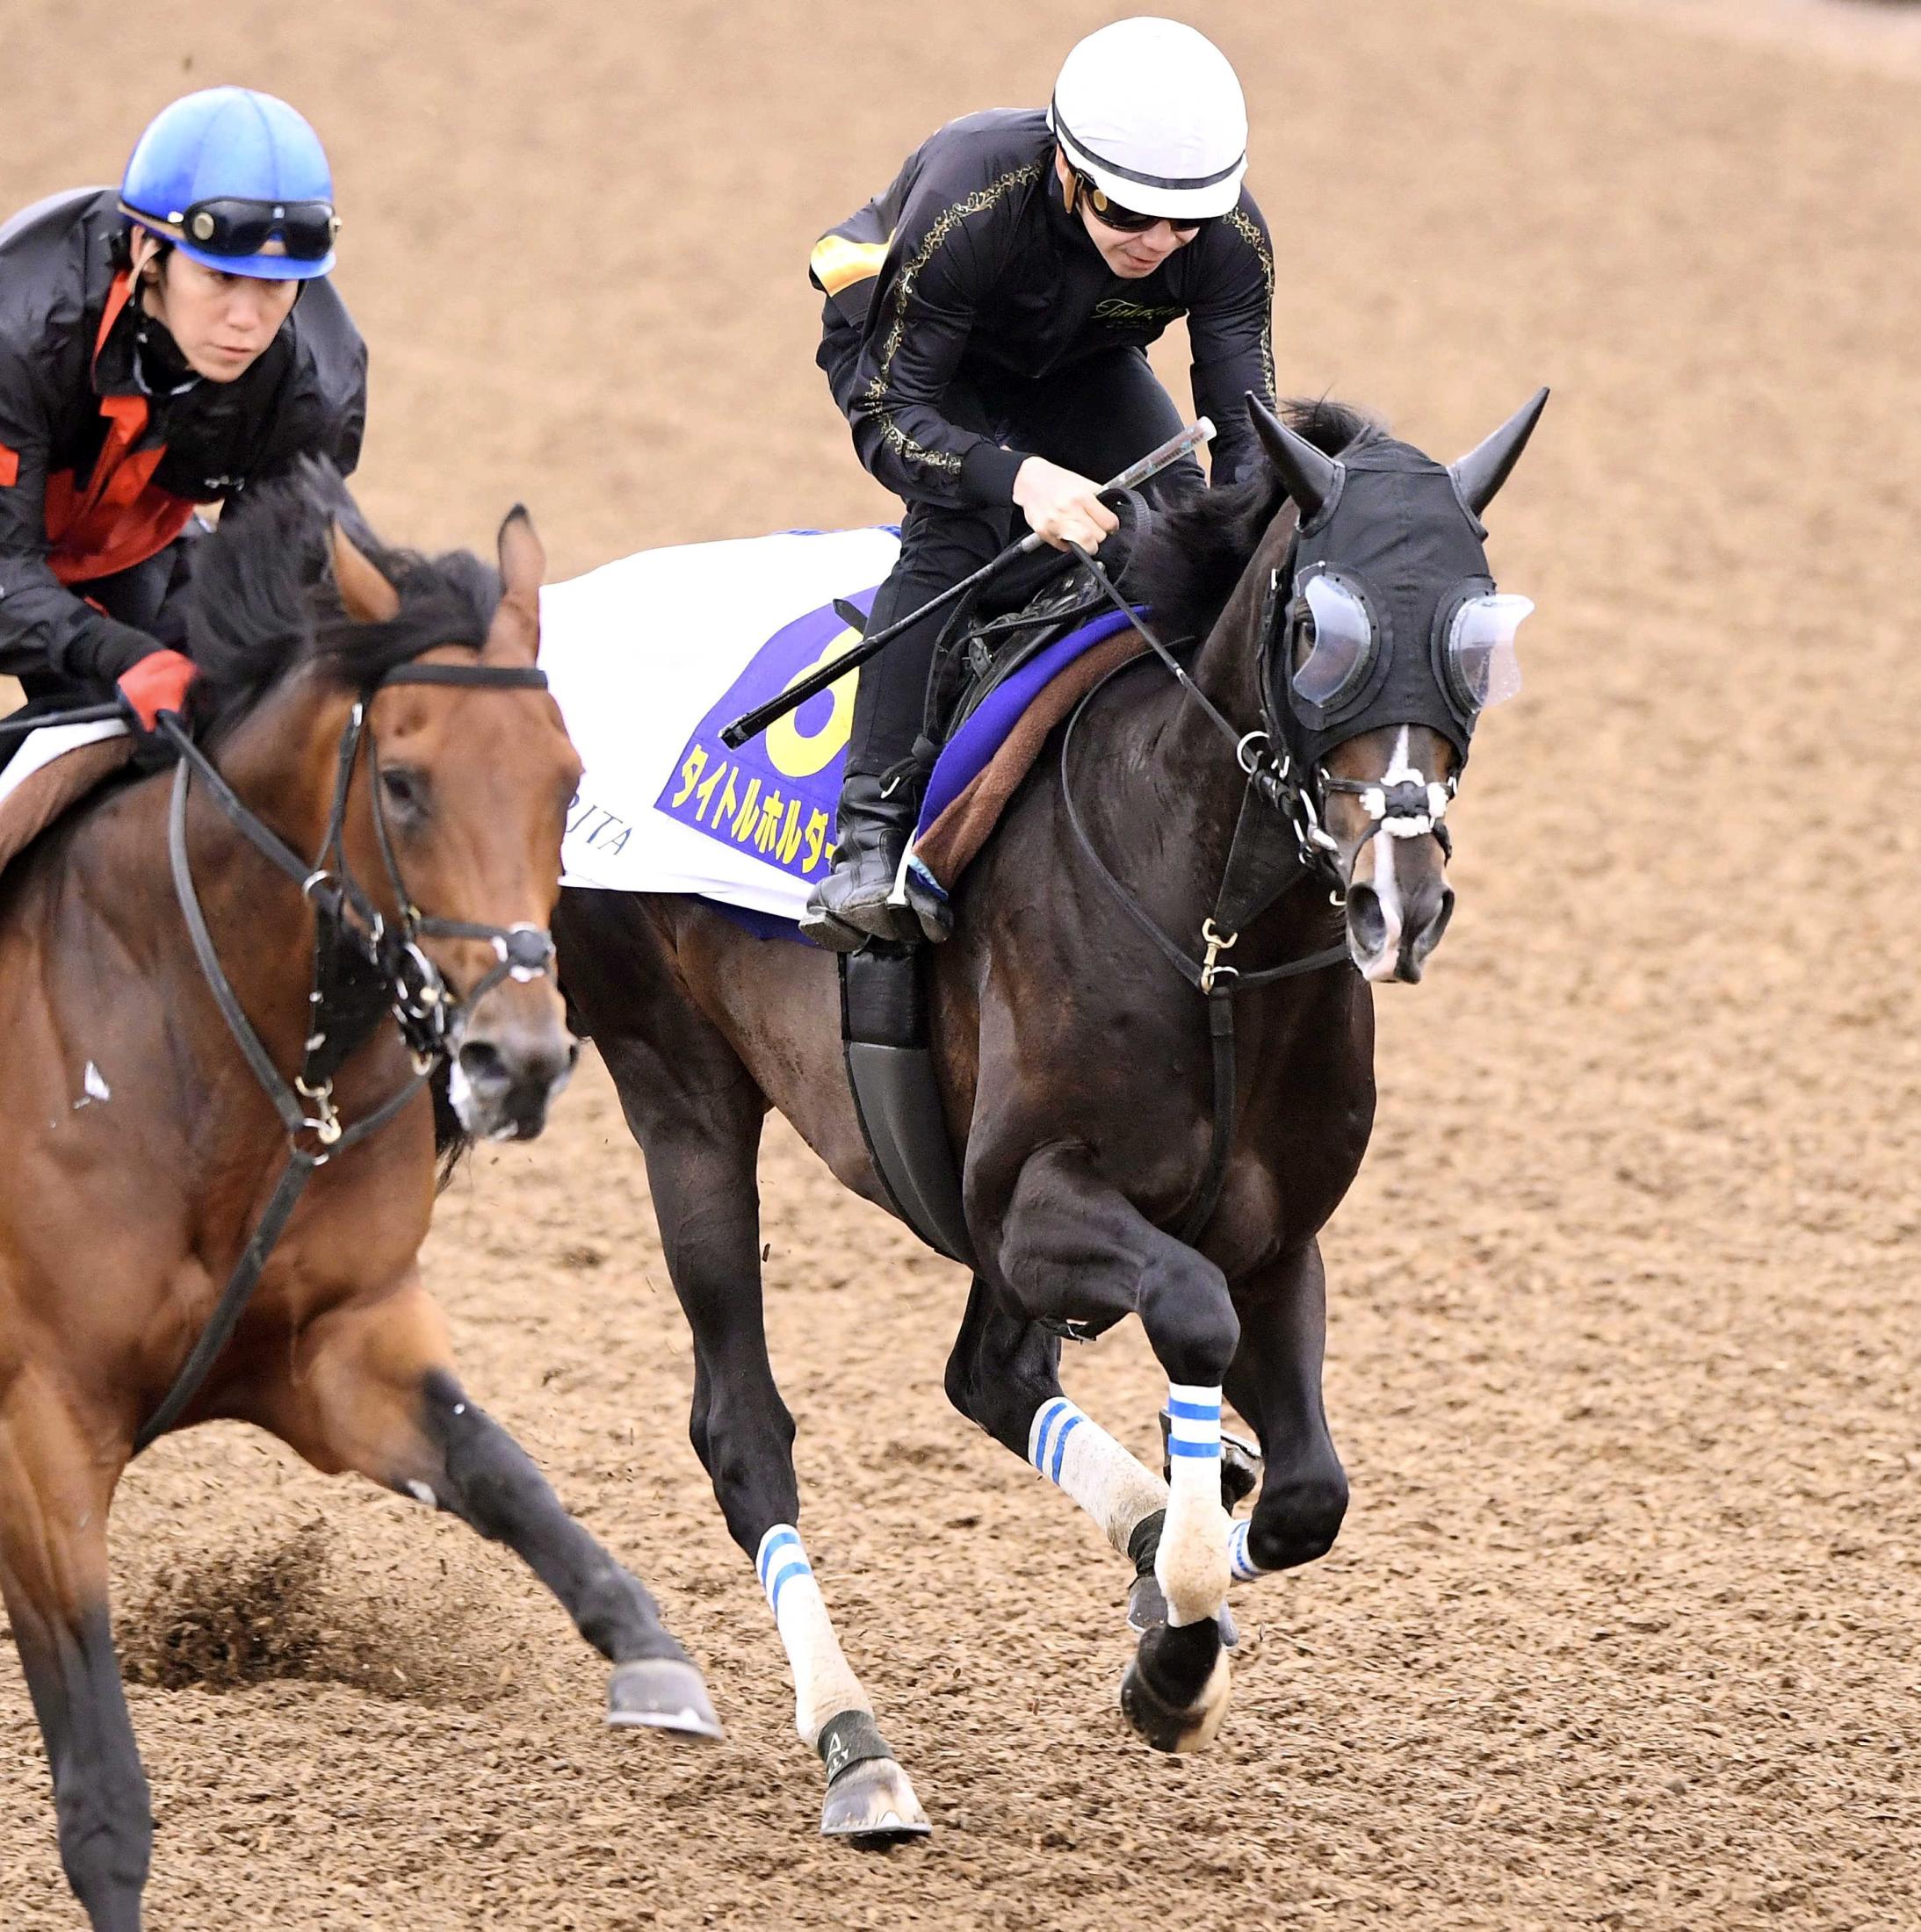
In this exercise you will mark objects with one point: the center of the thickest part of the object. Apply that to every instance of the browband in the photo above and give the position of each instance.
(496, 677)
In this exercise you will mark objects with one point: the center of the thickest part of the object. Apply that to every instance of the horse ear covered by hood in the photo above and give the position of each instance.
(1192, 552)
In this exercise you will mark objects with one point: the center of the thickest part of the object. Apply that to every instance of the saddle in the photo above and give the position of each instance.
(53, 771)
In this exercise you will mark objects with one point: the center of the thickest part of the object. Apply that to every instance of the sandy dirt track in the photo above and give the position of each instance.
(1622, 1628)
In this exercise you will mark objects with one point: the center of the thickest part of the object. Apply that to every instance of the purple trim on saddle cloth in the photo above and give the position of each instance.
(761, 924)
(965, 755)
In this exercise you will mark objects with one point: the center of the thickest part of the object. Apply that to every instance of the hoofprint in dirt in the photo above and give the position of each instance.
(1620, 1625)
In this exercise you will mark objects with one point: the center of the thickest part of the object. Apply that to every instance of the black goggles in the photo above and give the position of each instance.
(1111, 214)
(305, 229)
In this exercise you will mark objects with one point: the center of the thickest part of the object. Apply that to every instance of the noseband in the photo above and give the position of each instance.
(426, 1011)
(1299, 789)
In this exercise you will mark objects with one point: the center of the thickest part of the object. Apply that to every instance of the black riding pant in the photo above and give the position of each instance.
(1096, 417)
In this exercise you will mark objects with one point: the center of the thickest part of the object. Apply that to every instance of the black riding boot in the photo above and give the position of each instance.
(855, 902)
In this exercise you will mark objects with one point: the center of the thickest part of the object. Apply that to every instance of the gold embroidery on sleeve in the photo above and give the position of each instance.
(903, 446)
(1244, 226)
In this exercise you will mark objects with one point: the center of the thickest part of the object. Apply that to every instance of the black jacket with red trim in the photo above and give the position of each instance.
(972, 256)
(107, 441)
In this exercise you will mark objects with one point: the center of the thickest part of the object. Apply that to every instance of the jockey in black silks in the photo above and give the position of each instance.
(160, 347)
(985, 328)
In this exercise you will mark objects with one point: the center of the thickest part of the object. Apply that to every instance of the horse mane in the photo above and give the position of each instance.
(1194, 552)
(264, 603)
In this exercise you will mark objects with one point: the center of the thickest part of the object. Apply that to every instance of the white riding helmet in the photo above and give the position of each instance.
(1150, 111)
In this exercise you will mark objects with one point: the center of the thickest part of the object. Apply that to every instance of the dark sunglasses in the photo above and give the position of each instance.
(1111, 214)
(306, 228)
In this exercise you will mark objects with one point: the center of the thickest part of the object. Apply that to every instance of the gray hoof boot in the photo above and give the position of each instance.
(661, 1694)
(869, 1800)
(1146, 1607)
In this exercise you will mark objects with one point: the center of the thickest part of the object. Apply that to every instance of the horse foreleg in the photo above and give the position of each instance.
(57, 1479)
(372, 1390)
(1276, 1382)
(1072, 1247)
(1004, 1373)
(701, 1175)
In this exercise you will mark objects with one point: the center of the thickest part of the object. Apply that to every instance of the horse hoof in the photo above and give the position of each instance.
(661, 1694)
(1162, 1725)
(873, 1804)
(1146, 1607)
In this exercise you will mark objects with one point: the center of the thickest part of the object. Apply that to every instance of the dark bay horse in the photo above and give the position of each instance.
(1348, 635)
(344, 690)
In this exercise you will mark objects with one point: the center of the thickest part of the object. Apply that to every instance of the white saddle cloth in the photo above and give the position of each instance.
(651, 656)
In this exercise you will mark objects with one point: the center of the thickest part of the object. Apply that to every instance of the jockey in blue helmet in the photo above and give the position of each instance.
(161, 346)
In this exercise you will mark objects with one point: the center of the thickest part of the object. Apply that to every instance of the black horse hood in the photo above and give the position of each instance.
(1396, 539)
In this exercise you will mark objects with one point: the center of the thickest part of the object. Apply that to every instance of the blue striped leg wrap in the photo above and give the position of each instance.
(781, 1559)
(1194, 1435)
(1244, 1567)
(1053, 1422)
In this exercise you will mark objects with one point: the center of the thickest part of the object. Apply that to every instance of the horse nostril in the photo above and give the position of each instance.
(1367, 923)
(485, 1066)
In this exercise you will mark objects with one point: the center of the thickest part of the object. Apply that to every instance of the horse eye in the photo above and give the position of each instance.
(1304, 637)
(406, 792)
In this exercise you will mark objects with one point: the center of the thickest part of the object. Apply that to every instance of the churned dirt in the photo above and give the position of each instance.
(1623, 1627)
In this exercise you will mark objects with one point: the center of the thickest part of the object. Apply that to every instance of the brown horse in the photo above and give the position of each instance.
(385, 721)
(1348, 635)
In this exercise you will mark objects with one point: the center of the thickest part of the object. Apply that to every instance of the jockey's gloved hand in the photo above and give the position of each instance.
(157, 682)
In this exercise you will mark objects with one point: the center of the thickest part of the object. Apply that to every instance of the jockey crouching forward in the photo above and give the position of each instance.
(152, 357)
(986, 329)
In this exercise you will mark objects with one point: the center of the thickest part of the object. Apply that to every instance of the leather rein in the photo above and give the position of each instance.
(351, 933)
(1257, 876)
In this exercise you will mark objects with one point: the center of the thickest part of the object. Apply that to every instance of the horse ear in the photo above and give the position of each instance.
(516, 631)
(523, 558)
(365, 594)
(1310, 475)
(1484, 469)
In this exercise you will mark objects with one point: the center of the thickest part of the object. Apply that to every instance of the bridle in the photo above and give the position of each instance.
(351, 936)
(1281, 781)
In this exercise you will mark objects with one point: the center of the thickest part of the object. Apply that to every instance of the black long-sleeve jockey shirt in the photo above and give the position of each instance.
(107, 440)
(971, 259)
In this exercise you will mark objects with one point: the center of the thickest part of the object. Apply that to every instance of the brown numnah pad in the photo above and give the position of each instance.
(36, 802)
(953, 841)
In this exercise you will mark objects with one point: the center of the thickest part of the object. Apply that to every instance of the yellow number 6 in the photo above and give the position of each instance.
(795, 753)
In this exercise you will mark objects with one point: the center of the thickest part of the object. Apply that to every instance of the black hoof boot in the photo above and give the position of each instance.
(1169, 1656)
(869, 1801)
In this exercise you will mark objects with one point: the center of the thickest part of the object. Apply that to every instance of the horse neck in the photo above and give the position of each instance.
(1196, 783)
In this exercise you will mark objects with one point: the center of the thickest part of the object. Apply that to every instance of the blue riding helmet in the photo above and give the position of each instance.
(237, 181)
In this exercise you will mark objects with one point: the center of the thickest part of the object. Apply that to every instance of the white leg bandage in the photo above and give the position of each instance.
(823, 1686)
(1239, 1563)
(1191, 1565)
(1080, 1457)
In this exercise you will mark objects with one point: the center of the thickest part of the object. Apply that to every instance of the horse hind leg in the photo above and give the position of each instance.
(54, 1493)
(697, 1117)
(373, 1391)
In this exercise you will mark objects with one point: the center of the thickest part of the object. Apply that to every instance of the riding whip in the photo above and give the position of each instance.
(752, 724)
